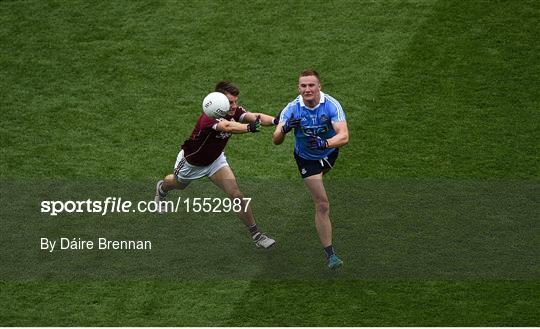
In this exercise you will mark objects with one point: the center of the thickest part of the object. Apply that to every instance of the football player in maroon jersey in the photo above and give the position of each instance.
(202, 155)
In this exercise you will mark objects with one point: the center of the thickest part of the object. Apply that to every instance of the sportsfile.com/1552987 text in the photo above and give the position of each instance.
(116, 205)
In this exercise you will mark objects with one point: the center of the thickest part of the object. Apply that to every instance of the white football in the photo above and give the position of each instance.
(216, 105)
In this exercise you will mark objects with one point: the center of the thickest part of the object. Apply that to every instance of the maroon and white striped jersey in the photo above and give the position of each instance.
(205, 143)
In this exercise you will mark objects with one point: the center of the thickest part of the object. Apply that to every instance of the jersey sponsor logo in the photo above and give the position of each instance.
(223, 135)
(314, 130)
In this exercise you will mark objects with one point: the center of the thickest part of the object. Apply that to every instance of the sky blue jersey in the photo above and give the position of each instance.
(315, 122)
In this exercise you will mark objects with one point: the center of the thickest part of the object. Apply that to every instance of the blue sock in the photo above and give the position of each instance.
(329, 251)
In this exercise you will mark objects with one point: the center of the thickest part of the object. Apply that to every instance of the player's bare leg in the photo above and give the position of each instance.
(224, 178)
(322, 208)
(322, 217)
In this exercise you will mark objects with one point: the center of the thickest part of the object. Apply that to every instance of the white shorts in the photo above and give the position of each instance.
(187, 172)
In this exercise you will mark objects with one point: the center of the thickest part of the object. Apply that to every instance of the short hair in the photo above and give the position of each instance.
(310, 72)
(227, 87)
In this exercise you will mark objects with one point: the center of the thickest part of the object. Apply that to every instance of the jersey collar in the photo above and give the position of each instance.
(322, 100)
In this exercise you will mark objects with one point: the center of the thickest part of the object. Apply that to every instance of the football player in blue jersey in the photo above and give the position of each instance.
(320, 129)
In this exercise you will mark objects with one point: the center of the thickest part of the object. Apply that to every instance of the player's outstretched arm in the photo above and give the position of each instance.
(234, 127)
(266, 120)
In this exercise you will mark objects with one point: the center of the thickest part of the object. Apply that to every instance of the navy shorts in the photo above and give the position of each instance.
(313, 167)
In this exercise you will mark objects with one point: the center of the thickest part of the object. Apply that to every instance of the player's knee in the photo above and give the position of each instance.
(169, 182)
(322, 206)
(169, 179)
(236, 194)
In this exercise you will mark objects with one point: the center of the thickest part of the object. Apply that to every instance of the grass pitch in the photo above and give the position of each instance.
(434, 201)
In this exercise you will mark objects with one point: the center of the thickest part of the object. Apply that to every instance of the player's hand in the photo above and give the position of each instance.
(290, 124)
(253, 127)
(317, 143)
